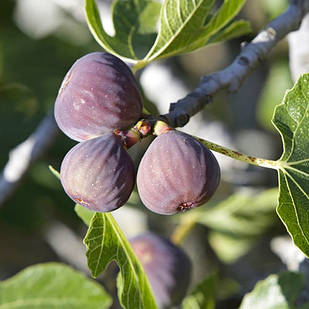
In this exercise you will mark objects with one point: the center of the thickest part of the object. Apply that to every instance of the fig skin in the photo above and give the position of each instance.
(98, 173)
(177, 173)
(167, 267)
(98, 94)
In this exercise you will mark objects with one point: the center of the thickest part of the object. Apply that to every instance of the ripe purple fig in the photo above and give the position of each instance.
(168, 268)
(177, 173)
(99, 94)
(98, 173)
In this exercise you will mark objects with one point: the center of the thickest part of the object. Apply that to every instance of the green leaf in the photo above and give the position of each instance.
(291, 118)
(275, 292)
(134, 23)
(182, 25)
(237, 221)
(224, 15)
(203, 295)
(105, 243)
(236, 29)
(52, 285)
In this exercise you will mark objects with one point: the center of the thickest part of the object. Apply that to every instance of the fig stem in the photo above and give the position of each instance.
(183, 229)
(240, 156)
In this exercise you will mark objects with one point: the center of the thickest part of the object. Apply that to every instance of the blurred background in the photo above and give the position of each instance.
(39, 41)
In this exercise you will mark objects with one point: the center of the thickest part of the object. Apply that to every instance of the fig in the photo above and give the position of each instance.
(167, 267)
(98, 173)
(177, 173)
(98, 94)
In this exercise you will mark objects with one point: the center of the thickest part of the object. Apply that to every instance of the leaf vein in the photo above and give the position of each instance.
(126, 253)
(294, 134)
(297, 184)
(102, 243)
(175, 34)
(295, 209)
(296, 170)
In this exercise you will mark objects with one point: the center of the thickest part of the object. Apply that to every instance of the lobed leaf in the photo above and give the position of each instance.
(276, 291)
(105, 243)
(52, 285)
(291, 119)
(135, 27)
(182, 25)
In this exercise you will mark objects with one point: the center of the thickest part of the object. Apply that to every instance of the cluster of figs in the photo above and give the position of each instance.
(99, 96)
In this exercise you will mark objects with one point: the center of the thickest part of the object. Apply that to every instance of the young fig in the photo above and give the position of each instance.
(177, 173)
(98, 173)
(99, 94)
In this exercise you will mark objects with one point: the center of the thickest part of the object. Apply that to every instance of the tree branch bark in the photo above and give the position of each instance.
(22, 156)
(232, 77)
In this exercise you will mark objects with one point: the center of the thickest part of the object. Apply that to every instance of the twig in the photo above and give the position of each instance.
(232, 77)
(22, 156)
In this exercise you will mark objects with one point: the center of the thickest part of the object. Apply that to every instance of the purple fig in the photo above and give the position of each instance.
(99, 94)
(167, 266)
(98, 173)
(177, 173)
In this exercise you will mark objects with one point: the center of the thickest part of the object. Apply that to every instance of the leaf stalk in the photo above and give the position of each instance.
(240, 156)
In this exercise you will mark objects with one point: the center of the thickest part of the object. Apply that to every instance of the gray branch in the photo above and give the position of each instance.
(21, 157)
(232, 77)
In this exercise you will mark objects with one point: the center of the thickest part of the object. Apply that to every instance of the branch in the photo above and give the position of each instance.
(232, 77)
(22, 156)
